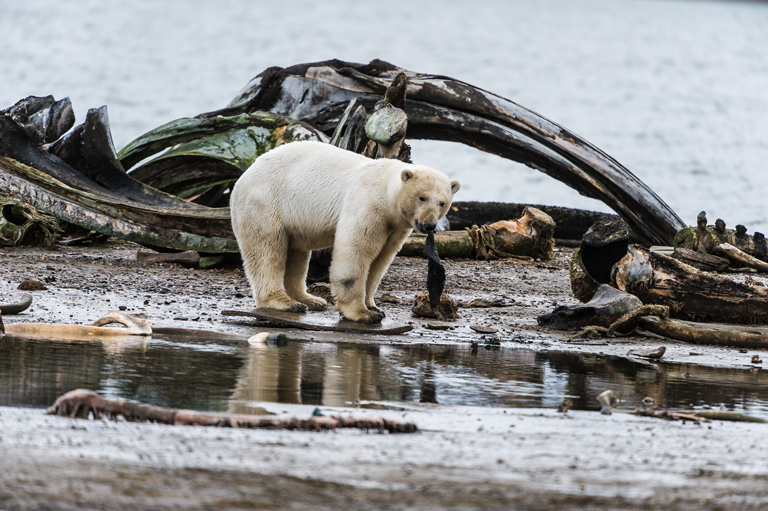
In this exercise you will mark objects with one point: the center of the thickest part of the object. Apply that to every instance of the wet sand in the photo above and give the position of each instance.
(463, 457)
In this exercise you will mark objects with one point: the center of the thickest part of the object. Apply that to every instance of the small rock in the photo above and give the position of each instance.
(649, 353)
(756, 359)
(564, 406)
(122, 307)
(480, 329)
(436, 325)
(482, 303)
(388, 298)
(32, 285)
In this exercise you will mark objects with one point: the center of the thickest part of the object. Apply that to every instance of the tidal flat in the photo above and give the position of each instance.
(489, 437)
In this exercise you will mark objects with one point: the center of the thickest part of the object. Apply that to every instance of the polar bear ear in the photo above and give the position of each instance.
(455, 185)
(406, 175)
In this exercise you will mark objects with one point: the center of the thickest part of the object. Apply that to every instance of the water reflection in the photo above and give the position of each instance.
(186, 373)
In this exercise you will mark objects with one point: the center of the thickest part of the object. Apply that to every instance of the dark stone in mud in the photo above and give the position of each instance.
(606, 306)
(32, 285)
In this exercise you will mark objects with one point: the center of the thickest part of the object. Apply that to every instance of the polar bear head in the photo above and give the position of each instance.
(425, 196)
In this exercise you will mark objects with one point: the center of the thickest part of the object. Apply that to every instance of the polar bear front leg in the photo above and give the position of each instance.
(380, 265)
(296, 266)
(353, 254)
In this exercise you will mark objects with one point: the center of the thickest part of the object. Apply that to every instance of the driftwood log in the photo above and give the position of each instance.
(707, 333)
(81, 403)
(530, 237)
(442, 108)
(132, 326)
(15, 308)
(689, 293)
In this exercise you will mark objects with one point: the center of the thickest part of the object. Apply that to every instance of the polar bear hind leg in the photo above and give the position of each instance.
(264, 259)
(296, 265)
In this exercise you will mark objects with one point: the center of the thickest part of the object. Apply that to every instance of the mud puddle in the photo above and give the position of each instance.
(184, 372)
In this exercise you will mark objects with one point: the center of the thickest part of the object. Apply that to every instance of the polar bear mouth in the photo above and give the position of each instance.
(425, 229)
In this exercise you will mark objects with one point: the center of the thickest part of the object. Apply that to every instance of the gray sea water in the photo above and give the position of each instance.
(677, 91)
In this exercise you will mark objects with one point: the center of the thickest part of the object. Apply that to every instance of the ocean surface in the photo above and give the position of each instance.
(677, 91)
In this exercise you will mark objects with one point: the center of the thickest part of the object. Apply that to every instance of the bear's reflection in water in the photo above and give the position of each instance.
(337, 375)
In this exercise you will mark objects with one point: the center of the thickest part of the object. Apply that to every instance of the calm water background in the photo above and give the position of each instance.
(675, 90)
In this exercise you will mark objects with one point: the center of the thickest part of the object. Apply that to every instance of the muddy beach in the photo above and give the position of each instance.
(465, 456)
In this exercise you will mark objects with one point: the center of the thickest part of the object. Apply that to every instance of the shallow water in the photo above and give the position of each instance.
(674, 90)
(182, 372)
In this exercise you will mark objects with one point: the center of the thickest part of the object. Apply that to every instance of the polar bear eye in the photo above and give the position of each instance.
(422, 199)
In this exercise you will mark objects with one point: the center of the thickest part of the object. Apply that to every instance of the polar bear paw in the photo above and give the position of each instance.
(284, 304)
(314, 303)
(368, 317)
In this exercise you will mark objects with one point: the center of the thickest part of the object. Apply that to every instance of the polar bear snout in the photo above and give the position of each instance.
(426, 228)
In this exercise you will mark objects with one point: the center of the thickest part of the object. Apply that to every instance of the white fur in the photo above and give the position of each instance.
(306, 196)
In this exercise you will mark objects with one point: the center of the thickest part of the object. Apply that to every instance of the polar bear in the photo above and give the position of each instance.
(305, 196)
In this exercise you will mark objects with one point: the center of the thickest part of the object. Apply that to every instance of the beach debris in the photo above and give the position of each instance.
(570, 224)
(700, 260)
(756, 359)
(322, 290)
(608, 400)
(132, 326)
(602, 246)
(592, 332)
(484, 329)
(388, 298)
(606, 306)
(484, 303)
(743, 258)
(527, 238)
(689, 293)
(436, 325)
(31, 285)
(627, 322)
(658, 413)
(708, 239)
(531, 235)
(268, 339)
(737, 336)
(196, 160)
(435, 273)
(21, 224)
(448, 109)
(723, 415)
(445, 311)
(449, 244)
(564, 406)
(15, 308)
(82, 403)
(653, 353)
(188, 258)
